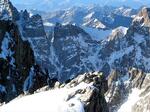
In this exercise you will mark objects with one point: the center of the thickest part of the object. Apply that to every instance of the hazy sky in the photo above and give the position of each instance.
(58, 4)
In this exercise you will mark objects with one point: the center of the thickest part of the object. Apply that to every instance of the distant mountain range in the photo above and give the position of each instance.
(106, 17)
(94, 52)
(51, 5)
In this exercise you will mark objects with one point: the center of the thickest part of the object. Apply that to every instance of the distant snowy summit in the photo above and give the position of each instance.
(79, 40)
(105, 17)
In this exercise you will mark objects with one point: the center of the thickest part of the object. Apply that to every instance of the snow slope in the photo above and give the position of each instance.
(132, 99)
(57, 100)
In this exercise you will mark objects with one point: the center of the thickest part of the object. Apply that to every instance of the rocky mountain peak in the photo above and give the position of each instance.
(141, 22)
(25, 15)
(8, 11)
(32, 25)
(143, 17)
(145, 14)
(118, 33)
(67, 30)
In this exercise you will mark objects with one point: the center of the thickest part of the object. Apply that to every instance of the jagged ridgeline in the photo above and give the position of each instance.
(16, 55)
(31, 59)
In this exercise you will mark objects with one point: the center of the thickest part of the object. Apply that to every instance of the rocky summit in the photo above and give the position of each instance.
(82, 59)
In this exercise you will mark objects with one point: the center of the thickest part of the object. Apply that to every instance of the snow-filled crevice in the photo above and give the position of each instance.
(29, 80)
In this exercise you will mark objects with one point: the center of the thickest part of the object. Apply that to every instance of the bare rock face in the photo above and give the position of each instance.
(145, 16)
(137, 77)
(16, 57)
(116, 90)
(17, 53)
(143, 104)
(32, 25)
(120, 87)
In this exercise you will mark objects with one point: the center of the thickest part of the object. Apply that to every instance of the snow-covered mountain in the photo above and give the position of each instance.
(31, 58)
(92, 16)
(61, 4)
(16, 55)
(82, 94)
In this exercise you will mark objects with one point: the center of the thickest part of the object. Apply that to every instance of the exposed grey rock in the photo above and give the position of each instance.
(32, 26)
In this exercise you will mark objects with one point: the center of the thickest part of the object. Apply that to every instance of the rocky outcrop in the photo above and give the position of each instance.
(119, 87)
(142, 103)
(116, 91)
(32, 25)
(144, 15)
(92, 98)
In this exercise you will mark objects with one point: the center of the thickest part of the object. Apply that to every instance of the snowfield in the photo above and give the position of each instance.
(57, 100)
(132, 99)
(97, 34)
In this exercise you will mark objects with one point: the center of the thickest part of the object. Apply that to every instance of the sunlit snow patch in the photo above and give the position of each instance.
(132, 99)
(57, 100)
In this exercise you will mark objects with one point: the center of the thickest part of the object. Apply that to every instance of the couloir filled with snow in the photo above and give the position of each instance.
(131, 100)
(57, 100)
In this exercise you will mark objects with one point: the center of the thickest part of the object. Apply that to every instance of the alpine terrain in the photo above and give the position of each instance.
(87, 58)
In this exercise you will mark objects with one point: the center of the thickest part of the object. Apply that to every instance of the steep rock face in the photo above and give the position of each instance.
(138, 92)
(8, 11)
(67, 52)
(143, 102)
(129, 50)
(117, 90)
(73, 48)
(16, 60)
(130, 55)
(19, 72)
(32, 26)
(144, 14)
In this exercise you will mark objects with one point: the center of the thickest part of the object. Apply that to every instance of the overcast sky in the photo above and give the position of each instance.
(56, 4)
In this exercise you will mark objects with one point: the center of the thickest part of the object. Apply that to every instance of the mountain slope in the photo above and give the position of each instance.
(29, 59)
(16, 56)
(58, 4)
(82, 94)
